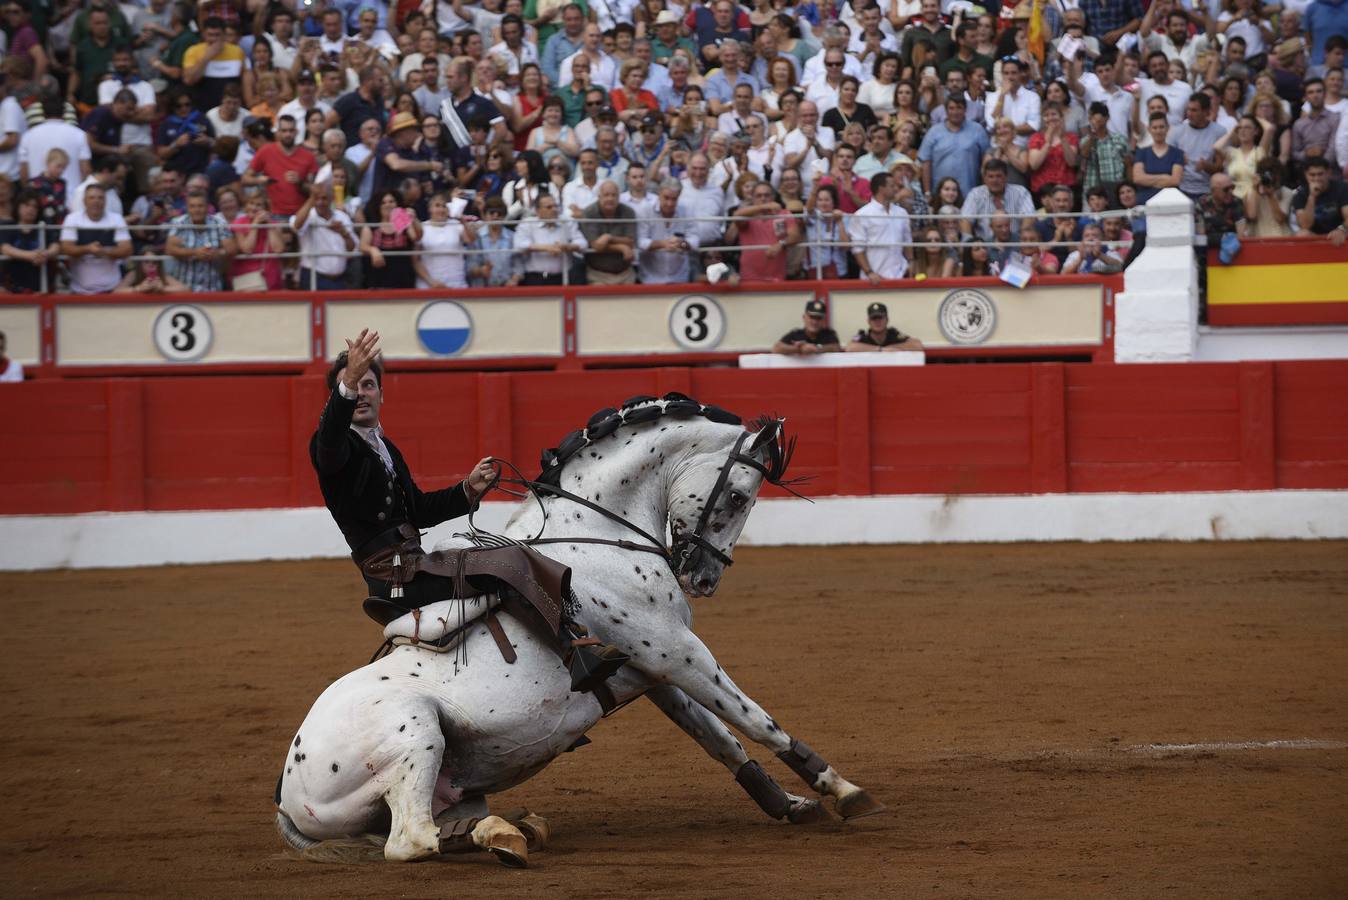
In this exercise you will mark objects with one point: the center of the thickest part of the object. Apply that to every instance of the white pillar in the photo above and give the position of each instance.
(1156, 316)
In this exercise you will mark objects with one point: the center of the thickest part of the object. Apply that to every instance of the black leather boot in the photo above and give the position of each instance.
(589, 661)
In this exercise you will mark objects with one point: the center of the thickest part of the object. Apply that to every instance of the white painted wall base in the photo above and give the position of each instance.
(98, 540)
(1283, 342)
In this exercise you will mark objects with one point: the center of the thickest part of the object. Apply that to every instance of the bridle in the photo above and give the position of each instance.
(687, 547)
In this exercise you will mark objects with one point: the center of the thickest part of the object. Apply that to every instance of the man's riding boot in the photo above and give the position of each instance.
(589, 661)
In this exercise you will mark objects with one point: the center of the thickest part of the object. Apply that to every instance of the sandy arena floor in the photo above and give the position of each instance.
(1000, 700)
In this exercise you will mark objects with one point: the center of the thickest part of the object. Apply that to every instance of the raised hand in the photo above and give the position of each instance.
(359, 354)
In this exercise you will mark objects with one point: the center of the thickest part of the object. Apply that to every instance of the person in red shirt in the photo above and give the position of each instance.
(854, 191)
(286, 169)
(766, 227)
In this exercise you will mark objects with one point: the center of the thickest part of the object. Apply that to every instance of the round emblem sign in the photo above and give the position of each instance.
(967, 316)
(444, 328)
(696, 322)
(183, 333)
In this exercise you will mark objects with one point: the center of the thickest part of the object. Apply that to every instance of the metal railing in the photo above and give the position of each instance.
(812, 246)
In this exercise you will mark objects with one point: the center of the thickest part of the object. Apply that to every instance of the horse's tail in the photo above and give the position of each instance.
(366, 848)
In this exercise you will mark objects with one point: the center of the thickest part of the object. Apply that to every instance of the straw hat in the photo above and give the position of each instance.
(400, 121)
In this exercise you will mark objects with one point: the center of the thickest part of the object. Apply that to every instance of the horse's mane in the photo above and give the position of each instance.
(647, 408)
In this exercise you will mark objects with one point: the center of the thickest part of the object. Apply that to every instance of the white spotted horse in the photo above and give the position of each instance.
(644, 505)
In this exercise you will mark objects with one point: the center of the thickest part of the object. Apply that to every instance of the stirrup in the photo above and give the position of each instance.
(591, 666)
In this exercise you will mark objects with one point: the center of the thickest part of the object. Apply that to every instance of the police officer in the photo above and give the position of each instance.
(812, 337)
(878, 337)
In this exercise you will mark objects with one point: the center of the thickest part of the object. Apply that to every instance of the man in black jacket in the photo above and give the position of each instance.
(366, 483)
(369, 490)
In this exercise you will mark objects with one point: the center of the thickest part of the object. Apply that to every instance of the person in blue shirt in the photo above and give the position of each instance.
(1159, 165)
(953, 149)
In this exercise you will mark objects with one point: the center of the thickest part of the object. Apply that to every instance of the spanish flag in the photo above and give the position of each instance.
(1035, 35)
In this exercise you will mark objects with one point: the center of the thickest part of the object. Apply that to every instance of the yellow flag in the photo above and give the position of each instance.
(1035, 35)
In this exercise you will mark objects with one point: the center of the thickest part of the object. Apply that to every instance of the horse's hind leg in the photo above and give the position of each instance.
(713, 736)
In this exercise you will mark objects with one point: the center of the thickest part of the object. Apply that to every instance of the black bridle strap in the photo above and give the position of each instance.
(712, 498)
(656, 546)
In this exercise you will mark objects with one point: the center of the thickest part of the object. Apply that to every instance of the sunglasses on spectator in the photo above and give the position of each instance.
(594, 102)
(833, 65)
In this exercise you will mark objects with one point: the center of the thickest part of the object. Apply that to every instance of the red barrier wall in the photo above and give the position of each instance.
(242, 441)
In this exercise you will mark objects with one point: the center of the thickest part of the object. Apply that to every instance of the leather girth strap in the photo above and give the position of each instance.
(543, 583)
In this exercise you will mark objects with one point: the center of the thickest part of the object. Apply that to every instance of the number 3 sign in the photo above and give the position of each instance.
(182, 333)
(697, 322)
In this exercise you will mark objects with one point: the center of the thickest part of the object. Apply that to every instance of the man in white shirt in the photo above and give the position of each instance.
(333, 39)
(1015, 102)
(325, 234)
(881, 234)
(871, 35)
(50, 134)
(701, 198)
(13, 124)
(1101, 86)
(736, 119)
(603, 68)
(836, 37)
(94, 239)
(636, 197)
(513, 50)
(1176, 93)
(807, 144)
(666, 244)
(582, 190)
(824, 92)
(306, 98)
(109, 172)
(547, 243)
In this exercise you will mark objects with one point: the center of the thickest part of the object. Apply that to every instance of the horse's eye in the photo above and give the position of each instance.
(737, 499)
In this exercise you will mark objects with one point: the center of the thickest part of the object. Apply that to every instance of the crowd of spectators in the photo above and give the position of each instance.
(260, 144)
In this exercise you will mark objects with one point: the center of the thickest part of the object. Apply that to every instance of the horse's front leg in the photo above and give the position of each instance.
(690, 666)
(714, 737)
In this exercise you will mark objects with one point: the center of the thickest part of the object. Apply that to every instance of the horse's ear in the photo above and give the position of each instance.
(766, 436)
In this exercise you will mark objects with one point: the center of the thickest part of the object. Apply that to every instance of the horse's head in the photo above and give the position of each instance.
(712, 497)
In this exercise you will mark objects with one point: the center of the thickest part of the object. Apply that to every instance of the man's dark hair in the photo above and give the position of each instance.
(1336, 42)
(1317, 162)
(1155, 53)
(478, 123)
(339, 364)
(1098, 108)
(53, 106)
(964, 28)
(956, 100)
(1310, 81)
(213, 22)
(994, 165)
(108, 162)
(1235, 38)
(124, 96)
(880, 180)
(1202, 99)
(512, 19)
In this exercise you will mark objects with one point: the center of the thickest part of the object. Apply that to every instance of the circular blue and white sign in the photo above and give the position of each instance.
(444, 328)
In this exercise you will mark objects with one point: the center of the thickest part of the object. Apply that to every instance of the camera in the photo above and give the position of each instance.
(1266, 179)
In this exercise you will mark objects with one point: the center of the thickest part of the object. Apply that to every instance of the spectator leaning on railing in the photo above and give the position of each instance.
(327, 237)
(200, 246)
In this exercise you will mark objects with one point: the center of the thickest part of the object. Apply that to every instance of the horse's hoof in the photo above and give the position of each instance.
(536, 830)
(502, 840)
(511, 857)
(811, 812)
(859, 805)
